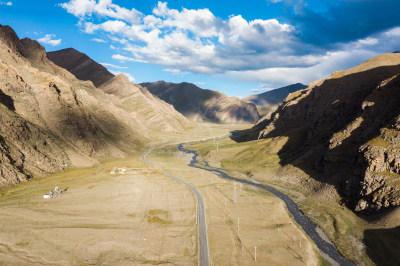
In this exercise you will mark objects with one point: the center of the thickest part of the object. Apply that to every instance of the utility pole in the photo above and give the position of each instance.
(255, 253)
(217, 146)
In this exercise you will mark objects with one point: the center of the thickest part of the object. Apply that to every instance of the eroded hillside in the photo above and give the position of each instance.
(345, 131)
(50, 120)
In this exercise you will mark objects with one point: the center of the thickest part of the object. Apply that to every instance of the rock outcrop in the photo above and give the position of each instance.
(203, 105)
(348, 126)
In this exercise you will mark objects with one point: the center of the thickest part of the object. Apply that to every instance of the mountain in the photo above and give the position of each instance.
(203, 105)
(270, 100)
(50, 120)
(345, 131)
(79, 64)
(150, 111)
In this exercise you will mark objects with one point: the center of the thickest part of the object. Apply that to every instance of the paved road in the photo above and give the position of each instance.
(334, 256)
(203, 251)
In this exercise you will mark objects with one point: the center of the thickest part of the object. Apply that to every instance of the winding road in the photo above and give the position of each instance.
(203, 250)
(328, 249)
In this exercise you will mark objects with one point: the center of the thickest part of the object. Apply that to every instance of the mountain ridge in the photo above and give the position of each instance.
(348, 125)
(50, 120)
(268, 101)
(202, 104)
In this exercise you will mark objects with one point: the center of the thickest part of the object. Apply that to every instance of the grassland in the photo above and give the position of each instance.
(258, 219)
(101, 218)
(259, 161)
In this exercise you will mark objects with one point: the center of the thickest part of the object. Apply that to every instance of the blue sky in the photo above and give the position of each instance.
(236, 47)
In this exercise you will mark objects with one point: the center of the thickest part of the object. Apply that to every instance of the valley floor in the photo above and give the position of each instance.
(148, 218)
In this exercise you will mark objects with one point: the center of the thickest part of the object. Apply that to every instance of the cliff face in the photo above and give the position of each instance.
(348, 126)
(203, 105)
(49, 120)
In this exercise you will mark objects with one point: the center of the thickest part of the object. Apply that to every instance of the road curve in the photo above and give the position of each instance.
(203, 250)
(335, 257)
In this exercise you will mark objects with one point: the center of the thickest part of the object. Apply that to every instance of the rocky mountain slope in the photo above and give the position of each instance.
(345, 131)
(203, 105)
(152, 112)
(269, 101)
(81, 65)
(50, 120)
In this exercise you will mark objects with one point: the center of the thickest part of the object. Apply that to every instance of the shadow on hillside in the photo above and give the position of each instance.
(329, 108)
(383, 245)
(7, 101)
(311, 124)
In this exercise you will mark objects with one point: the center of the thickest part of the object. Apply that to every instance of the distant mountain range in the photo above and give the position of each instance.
(270, 100)
(204, 105)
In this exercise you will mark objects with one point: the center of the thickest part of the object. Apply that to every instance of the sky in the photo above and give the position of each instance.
(236, 47)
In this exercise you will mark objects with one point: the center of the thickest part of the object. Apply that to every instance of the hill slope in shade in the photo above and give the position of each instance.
(203, 105)
(270, 100)
(150, 111)
(79, 64)
(345, 131)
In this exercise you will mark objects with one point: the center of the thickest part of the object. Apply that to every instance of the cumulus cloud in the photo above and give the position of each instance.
(315, 40)
(193, 40)
(103, 8)
(99, 40)
(123, 58)
(112, 66)
(5, 3)
(49, 39)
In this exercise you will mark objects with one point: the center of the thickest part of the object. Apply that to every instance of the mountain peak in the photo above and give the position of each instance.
(122, 78)
(9, 38)
(32, 50)
(81, 65)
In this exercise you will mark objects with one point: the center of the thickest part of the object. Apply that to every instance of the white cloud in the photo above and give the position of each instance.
(99, 40)
(366, 42)
(177, 38)
(104, 8)
(48, 39)
(196, 41)
(122, 58)
(175, 71)
(198, 83)
(129, 76)
(113, 66)
(331, 62)
(395, 32)
(262, 88)
(6, 3)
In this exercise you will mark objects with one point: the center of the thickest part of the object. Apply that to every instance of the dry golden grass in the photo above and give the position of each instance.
(263, 220)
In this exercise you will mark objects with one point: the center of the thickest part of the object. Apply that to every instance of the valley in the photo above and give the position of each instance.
(178, 137)
(133, 214)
